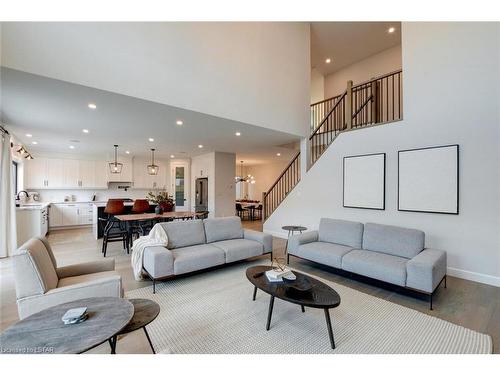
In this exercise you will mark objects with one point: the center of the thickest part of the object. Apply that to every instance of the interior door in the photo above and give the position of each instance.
(180, 185)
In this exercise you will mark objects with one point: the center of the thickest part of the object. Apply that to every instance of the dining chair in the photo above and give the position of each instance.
(114, 230)
(140, 228)
(258, 212)
(240, 211)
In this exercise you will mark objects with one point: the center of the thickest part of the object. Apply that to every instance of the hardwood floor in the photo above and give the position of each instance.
(470, 304)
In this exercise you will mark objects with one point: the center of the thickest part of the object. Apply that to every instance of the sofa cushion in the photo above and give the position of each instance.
(240, 249)
(388, 268)
(388, 239)
(324, 252)
(223, 228)
(194, 258)
(86, 278)
(342, 232)
(184, 233)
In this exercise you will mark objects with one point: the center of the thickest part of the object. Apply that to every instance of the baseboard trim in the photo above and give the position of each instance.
(474, 276)
(455, 272)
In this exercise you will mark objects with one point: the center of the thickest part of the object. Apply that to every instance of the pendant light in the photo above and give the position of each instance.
(248, 178)
(115, 167)
(153, 168)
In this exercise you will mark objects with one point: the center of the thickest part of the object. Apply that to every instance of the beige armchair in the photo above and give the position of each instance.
(41, 284)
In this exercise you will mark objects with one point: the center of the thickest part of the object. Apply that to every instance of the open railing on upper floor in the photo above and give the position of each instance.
(378, 100)
(281, 187)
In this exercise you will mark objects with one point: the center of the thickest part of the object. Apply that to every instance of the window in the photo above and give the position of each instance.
(14, 176)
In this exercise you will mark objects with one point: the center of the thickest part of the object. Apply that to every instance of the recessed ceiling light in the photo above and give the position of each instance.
(278, 154)
(71, 147)
(179, 122)
(92, 106)
(237, 134)
(127, 152)
(391, 30)
(172, 156)
(151, 139)
(328, 60)
(29, 135)
(34, 142)
(200, 146)
(85, 130)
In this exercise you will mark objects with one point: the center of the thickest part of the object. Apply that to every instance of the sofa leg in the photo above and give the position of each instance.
(271, 255)
(287, 258)
(445, 281)
(430, 301)
(154, 286)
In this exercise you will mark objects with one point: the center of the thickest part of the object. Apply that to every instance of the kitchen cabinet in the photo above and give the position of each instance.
(68, 214)
(31, 223)
(48, 173)
(143, 180)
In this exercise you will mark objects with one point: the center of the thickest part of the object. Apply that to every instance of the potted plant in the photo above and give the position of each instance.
(164, 201)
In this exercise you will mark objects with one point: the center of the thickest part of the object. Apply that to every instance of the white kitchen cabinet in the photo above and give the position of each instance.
(55, 216)
(125, 175)
(55, 173)
(143, 180)
(85, 214)
(101, 174)
(35, 173)
(31, 223)
(70, 214)
(86, 173)
(71, 175)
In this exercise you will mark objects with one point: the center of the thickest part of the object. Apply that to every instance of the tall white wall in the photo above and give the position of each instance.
(451, 81)
(225, 190)
(256, 72)
(317, 86)
(383, 62)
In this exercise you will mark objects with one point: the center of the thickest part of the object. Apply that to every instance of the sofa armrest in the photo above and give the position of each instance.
(158, 261)
(300, 239)
(265, 239)
(86, 268)
(426, 270)
(110, 286)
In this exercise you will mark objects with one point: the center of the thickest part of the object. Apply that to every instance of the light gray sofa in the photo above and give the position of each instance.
(40, 283)
(199, 244)
(387, 253)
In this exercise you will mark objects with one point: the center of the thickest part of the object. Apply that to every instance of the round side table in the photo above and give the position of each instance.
(291, 231)
(145, 311)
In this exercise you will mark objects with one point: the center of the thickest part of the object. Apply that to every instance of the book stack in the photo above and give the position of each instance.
(74, 316)
(277, 275)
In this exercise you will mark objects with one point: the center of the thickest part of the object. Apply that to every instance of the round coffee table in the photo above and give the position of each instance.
(145, 311)
(321, 296)
(45, 332)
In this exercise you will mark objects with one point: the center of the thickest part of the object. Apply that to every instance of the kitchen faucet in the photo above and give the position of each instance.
(19, 193)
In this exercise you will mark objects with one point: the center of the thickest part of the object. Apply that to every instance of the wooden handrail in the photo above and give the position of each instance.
(377, 78)
(283, 173)
(328, 115)
(325, 100)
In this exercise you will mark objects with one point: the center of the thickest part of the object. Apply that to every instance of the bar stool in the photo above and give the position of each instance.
(140, 206)
(114, 230)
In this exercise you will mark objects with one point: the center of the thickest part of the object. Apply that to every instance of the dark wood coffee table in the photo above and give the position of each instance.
(145, 311)
(321, 296)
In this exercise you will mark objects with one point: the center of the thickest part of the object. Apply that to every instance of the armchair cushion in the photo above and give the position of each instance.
(107, 264)
(300, 239)
(80, 279)
(265, 239)
(426, 270)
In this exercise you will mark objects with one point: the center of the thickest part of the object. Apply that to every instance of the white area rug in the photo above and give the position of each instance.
(213, 312)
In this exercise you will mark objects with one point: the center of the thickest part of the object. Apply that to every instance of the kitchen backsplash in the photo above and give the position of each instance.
(86, 195)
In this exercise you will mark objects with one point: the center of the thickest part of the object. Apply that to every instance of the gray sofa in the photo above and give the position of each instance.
(387, 253)
(199, 244)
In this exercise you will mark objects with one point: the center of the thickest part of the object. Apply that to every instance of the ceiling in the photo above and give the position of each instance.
(348, 42)
(56, 112)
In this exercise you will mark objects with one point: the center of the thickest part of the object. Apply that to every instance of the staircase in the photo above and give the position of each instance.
(374, 102)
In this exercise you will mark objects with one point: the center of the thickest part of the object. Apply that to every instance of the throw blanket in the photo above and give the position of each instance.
(156, 237)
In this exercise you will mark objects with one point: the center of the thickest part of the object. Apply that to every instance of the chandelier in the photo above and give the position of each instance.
(115, 167)
(248, 178)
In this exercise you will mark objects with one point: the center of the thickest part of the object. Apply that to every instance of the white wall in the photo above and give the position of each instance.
(317, 86)
(225, 190)
(383, 62)
(256, 72)
(451, 84)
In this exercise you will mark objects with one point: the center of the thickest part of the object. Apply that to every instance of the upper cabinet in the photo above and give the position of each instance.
(47, 173)
(125, 175)
(143, 180)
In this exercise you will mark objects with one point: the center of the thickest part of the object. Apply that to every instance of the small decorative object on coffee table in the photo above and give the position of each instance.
(291, 231)
(145, 311)
(305, 291)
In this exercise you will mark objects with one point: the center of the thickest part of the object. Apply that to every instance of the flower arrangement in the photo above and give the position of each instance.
(162, 199)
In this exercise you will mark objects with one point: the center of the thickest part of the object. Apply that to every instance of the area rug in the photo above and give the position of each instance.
(213, 312)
